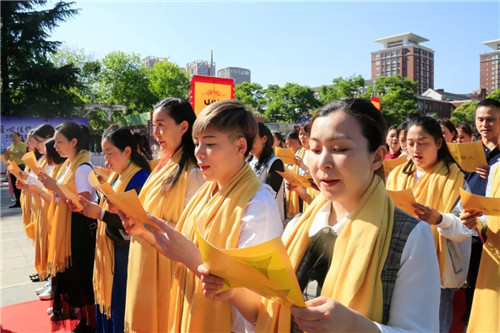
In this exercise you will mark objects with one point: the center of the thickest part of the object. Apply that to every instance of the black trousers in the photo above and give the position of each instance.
(17, 192)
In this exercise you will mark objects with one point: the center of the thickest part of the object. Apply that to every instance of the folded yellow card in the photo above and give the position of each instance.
(30, 160)
(102, 172)
(265, 269)
(403, 200)
(285, 154)
(104, 188)
(486, 205)
(295, 180)
(69, 194)
(468, 155)
(4, 160)
(15, 170)
(389, 165)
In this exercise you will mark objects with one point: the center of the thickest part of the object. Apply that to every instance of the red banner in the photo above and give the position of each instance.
(206, 90)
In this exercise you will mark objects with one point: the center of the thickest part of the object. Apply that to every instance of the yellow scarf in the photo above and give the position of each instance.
(44, 216)
(104, 264)
(485, 313)
(26, 207)
(354, 276)
(59, 256)
(439, 189)
(220, 217)
(149, 273)
(292, 198)
(33, 206)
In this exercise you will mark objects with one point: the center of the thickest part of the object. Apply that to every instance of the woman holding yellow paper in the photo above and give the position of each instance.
(435, 180)
(232, 210)
(165, 194)
(130, 171)
(72, 235)
(362, 264)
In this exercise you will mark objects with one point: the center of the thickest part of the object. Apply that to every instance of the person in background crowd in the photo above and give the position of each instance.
(448, 129)
(143, 146)
(278, 140)
(362, 264)
(488, 126)
(265, 164)
(435, 180)
(464, 133)
(402, 129)
(130, 171)
(392, 142)
(14, 153)
(292, 141)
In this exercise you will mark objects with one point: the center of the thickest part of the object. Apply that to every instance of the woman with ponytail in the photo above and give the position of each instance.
(130, 171)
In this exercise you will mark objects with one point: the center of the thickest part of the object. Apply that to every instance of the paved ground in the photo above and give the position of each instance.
(17, 256)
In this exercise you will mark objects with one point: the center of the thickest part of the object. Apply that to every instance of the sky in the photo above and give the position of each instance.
(308, 43)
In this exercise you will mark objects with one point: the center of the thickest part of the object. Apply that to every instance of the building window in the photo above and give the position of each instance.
(377, 62)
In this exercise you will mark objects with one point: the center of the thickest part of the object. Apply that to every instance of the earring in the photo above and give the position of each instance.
(128, 160)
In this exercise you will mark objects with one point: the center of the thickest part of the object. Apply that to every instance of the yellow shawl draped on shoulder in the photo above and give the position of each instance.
(219, 216)
(485, 313)
(26, 200)
(439, 189)
(59, 256)
(354, 276)
(104, 264)
(149, 273)
(292, 198)
(44, 216)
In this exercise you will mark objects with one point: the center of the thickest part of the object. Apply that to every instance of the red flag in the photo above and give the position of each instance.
(376, 102)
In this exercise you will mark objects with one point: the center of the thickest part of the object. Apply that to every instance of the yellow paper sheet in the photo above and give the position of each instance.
(130, 205)
(30, 160)
(15, 170)
(389, 165)
(468, 155)
(72, 196)
(486, 205)
(102, 172)
(264, 269)
(285, 154)
(4, 160)
(403, 200)
(104, 188)
(295, 180)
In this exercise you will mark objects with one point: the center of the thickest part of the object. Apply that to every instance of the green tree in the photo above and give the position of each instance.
(342, 88)
(289, 103)
(251, 95)
(495, 95)
(397, 95)
(31, 84)
(465, 114)
(166, 80)
(122, 80)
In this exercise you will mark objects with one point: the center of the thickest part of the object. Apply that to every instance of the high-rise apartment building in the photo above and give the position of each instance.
(199, 67)
(402, 54)
(238, 74)
(490, 67)
(149, 62)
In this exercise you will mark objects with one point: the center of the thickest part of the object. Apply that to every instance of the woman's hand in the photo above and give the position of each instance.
(173, 244)
(211, 284)
(301, 164)
(73, 206)
(24, 175)
(32, 188)
(427, 214)
(469, 218)
(483, 171)
(90, 209)
(48, 182)
(19, 184)
(289, 186)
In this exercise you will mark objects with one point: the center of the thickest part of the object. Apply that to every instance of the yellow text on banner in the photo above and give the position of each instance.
(294, 179)
(30, 160)
(403, 200)
(285, 154)
(264, 269)
(468, 155)
(485, 205)
(389, 165)
(71, 196)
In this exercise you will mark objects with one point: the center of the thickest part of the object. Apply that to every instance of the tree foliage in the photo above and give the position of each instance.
(251, 95)
(289, 103)
(342, 88)
(166, 80)
(465, 114)
(31, 83)
(495, 95)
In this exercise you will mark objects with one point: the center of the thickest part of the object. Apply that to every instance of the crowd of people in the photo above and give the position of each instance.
(362, 263)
